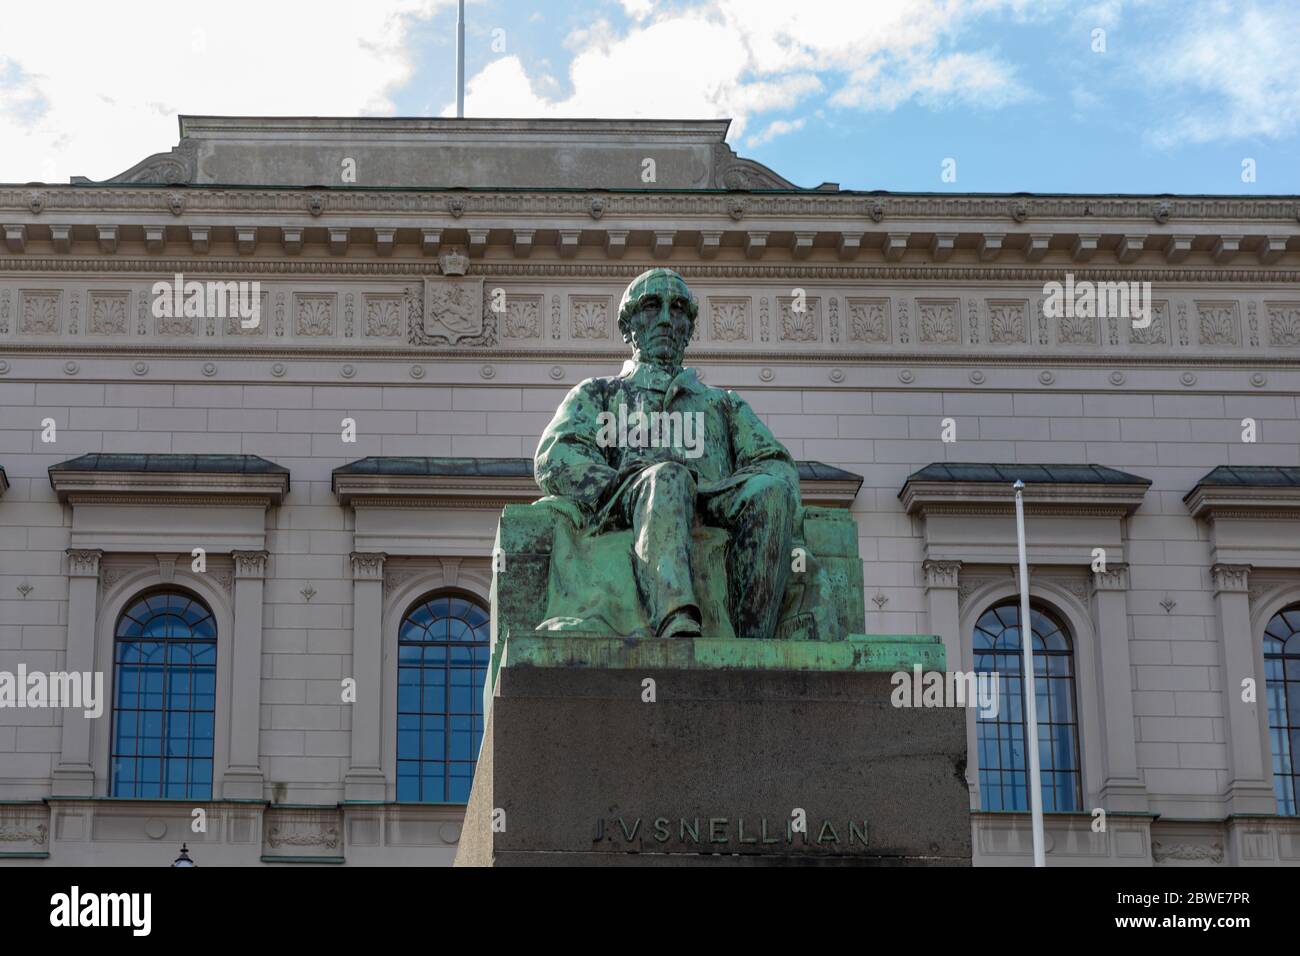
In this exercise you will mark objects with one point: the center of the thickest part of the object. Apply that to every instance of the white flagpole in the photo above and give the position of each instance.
(1029, 696)
(460, 59)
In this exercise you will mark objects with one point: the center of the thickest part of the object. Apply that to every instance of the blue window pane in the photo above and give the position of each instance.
(408, 744)
(408, 696)
(432, 782)
(433, 699)
(435, 737)
(201, 770)
(449, 638)
(165, 698)
(1002, 750)
(408, 787)
(460, 777)
(124, 776)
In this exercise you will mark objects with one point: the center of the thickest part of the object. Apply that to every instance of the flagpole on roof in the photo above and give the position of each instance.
(1029, 697)
(460, 59)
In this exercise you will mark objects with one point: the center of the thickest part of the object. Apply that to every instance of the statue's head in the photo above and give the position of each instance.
(657, 316)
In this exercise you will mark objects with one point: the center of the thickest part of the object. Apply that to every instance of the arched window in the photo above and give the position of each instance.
(443, 648)
(164, 680)
(1282, 684)
(1003, 761)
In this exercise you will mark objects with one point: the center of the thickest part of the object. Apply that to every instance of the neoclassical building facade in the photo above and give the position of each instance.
(271, 531)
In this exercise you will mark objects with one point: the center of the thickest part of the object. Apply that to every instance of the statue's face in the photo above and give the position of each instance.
(661, 328)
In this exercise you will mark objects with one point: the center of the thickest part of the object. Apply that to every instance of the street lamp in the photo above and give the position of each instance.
(184, 858)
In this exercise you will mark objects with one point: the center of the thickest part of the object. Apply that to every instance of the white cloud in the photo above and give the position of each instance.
(774, 129)
(638, 9)
(1233, 73)
(738, 58)
(100, 92)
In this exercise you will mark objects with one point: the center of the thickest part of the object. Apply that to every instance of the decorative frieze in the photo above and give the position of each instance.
(314, 314)
(937, 321)
(868, 321)
(234, 323)
(1157, 333)
(39, 312)
(729, 320)
(523, 317)
(176, 325)
(1007, 323)
(383, 315)
(800, 318)
(589, 317)
(1219, 323)
(107, 313)
(1076, 329)
(1284, 324)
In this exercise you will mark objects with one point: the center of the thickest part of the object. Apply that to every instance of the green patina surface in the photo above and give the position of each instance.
(861, 653)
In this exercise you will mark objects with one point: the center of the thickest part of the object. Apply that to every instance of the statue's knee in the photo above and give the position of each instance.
(670, 472)
(671, 477)
(772, 494)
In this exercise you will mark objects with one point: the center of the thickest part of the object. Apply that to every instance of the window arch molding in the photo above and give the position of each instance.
(1262, 611)
(472, 582)
(1075, 615)
(117, 599)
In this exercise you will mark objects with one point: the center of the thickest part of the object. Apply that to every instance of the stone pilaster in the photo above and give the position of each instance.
(943, 605)
(243, 776)
(74, 775)
(1120, 787)
(941, 601)
(1248, 785)
(365, 776)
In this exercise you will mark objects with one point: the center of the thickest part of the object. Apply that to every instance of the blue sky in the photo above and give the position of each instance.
(872, 94)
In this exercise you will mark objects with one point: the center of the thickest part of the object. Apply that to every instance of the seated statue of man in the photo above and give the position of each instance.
(653, 449)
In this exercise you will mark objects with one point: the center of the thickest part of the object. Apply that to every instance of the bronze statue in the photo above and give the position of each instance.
(655, 451)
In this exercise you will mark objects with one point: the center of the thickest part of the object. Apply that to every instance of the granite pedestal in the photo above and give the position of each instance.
(604, 751)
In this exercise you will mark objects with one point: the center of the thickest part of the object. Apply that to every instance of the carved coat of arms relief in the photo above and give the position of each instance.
(453, 308)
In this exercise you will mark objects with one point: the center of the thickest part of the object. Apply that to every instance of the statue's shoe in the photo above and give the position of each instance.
(680, 624)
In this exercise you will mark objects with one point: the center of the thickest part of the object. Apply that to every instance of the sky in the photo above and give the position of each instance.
(1092, 96)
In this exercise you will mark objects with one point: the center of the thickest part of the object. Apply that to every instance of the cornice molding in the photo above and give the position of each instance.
(82, 487)
(481, 491)
(716, 203)
(994, 498)
(1256, 502)
(621, 270)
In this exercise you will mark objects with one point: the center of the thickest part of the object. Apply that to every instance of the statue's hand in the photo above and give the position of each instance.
(565, 507)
